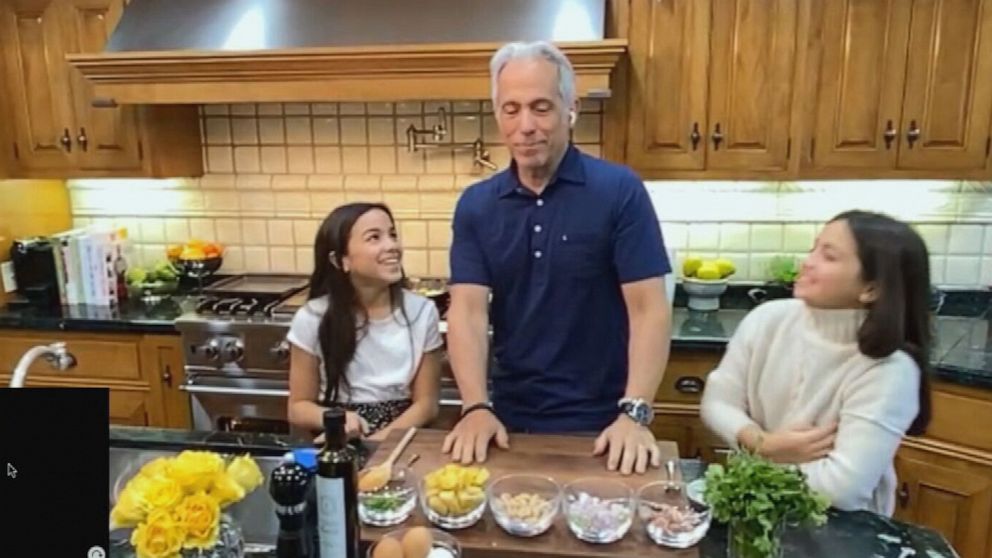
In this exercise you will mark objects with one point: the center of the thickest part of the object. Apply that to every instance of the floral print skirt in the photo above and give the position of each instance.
(380, 413)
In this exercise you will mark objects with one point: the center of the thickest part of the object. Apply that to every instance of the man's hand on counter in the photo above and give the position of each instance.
(468, 442)
(632, 447)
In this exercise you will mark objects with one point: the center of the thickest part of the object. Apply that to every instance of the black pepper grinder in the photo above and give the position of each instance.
(289, 488)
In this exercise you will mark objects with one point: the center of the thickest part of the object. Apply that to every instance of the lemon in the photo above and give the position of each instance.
(691, 266)
(726, 267)
(708, 271)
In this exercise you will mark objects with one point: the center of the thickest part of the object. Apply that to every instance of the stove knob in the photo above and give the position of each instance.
(234, 350)
(211, 349)
(280, 351)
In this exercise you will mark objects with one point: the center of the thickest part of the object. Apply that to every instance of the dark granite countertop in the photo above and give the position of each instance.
(131, 317)
(962, 350)
(848, 534)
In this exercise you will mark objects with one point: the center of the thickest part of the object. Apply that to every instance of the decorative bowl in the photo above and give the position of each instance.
(704, 295)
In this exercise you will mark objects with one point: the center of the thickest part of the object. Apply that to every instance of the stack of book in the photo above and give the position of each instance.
(90, 264)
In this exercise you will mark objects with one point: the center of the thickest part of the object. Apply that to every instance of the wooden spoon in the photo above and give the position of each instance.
(379, 476)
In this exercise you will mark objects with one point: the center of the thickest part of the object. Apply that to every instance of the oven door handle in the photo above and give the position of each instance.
(190, 387)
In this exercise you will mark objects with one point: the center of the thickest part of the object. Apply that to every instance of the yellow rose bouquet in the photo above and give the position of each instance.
(175, 503)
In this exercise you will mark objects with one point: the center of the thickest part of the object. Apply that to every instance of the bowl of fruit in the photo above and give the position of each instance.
(146, 282)
(454, 496)
(196, 259)
(705, 280)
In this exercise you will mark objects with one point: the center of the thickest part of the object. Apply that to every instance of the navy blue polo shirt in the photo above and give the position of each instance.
(555, 264)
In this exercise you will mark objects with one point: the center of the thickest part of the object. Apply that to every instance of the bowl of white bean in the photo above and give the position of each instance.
(524, 505)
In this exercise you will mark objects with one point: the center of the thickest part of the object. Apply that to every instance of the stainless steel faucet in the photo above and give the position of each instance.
(56, 354)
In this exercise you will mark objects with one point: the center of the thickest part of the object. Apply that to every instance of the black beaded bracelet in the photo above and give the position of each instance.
(476, 407)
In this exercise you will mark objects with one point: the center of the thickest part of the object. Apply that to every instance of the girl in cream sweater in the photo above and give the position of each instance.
(832, 379)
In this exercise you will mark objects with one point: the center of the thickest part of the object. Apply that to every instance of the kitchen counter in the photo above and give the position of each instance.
(131, 317)
(962, 352)
(854, 534)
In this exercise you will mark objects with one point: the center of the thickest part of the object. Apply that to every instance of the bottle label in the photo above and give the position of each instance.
(331, 525)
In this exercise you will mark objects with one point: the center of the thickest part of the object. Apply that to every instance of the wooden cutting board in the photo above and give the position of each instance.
(563, 458)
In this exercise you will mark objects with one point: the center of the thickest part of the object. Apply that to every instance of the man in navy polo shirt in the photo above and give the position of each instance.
(570, 249)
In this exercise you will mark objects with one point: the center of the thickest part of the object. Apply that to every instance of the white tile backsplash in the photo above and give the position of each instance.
(703, 237)
(766, 237)
(962, 270)
(735, 237)
(275, 170)
(965, 239)
(798, 237)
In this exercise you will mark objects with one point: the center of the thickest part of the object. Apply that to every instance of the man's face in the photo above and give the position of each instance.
(530, 112)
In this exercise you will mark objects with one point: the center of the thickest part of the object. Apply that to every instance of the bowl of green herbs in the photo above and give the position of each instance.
(758, 499)
(391, 504)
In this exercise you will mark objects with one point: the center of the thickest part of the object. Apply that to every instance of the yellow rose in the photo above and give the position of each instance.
(195, 470)
(160, 536)
(245, 472)
(226, 490)
(162, 493)
(130, 507)
(200, 515)
(155, 468)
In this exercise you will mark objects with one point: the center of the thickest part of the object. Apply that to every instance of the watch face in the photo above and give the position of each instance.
(640, 412)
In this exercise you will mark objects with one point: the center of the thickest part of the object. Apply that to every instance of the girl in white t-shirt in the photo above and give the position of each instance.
(362, 340)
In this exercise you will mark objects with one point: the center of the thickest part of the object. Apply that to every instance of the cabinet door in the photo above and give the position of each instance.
(669, 47)
(948, 85)
(107, 138)
(676, 428)
(129, 408)
(956, 503)
(861, 82)
(162, 365)
(38, 91)
(751, 86)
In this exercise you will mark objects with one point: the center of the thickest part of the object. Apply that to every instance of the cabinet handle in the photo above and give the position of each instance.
(66, 141)
(913, 134)
(167, 376)
(717, 137)
(689, 384)
(81, 139)
(889, 135)
(695, 136)
(903, 495)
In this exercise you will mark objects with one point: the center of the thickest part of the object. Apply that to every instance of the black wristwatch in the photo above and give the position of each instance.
(637, 409)
(485, 405)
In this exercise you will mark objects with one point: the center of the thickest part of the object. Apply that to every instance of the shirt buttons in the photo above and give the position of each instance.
(540, 202)
(537, 228)
(538, 254)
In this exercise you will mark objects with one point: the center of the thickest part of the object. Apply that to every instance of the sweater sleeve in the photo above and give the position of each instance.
(724, 408)
(876, 410)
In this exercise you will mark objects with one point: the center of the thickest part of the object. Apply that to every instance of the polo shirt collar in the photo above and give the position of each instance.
(570, 170)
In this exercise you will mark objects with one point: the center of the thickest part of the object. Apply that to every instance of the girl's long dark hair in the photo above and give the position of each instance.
(894, 258)
(346, 320)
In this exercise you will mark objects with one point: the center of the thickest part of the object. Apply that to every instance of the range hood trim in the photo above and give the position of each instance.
(368, 73)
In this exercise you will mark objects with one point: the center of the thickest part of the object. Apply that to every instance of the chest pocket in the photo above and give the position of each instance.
(581, 255)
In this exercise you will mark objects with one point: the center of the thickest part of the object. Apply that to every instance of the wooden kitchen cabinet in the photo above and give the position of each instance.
(711, 85)
(57, 131)
(142, 372)
(949, 494)
(904, 88)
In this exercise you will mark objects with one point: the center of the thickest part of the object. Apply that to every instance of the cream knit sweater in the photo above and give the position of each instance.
(789, 364)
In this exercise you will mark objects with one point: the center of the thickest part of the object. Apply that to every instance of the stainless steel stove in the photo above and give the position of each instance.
(236, 354)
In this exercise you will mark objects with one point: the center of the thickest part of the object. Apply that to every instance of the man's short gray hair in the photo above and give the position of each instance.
(535, 50)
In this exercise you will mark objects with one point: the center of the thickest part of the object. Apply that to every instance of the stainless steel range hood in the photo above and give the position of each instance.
(202, 51)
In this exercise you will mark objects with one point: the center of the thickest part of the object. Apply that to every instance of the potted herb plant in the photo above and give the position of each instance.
(758, 499)
(783, 270)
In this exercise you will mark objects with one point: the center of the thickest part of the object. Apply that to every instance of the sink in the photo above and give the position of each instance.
(255, 514)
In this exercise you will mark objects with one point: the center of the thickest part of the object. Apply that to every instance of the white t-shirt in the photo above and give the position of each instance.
(387, 355)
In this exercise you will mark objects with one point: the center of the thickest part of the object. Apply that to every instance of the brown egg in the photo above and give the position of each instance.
(417, 543)
(388, 547)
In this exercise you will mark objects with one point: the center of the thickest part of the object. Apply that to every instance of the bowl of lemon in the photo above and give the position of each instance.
(454, 496)
(705, 280)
